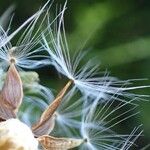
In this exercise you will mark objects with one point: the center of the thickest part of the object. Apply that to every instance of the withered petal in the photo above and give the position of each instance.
(44, 128)
(6, 113)
(46, 123)
(12, 94)
(53, 143)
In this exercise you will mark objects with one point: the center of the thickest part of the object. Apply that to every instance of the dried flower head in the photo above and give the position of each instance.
(11, 98)
(66, 122)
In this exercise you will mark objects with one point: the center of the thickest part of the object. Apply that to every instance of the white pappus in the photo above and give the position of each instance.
(98, 123)
(86, 77)
(26, 53)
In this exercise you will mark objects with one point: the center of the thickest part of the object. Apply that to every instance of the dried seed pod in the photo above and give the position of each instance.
(46, 123)
(52, 143)
(11, 94)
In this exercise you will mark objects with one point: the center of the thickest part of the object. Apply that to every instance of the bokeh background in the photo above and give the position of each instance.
(117, 32)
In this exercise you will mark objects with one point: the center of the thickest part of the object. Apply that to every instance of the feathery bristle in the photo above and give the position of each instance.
(98, 123)
(86, 77)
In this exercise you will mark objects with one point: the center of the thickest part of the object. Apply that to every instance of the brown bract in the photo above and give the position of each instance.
(10, 100)
(11, 95)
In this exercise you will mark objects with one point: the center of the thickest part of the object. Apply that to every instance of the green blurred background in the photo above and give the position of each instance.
(117, 32)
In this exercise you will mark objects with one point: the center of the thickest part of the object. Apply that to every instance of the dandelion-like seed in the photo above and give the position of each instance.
(12, 58)
(67, 121)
